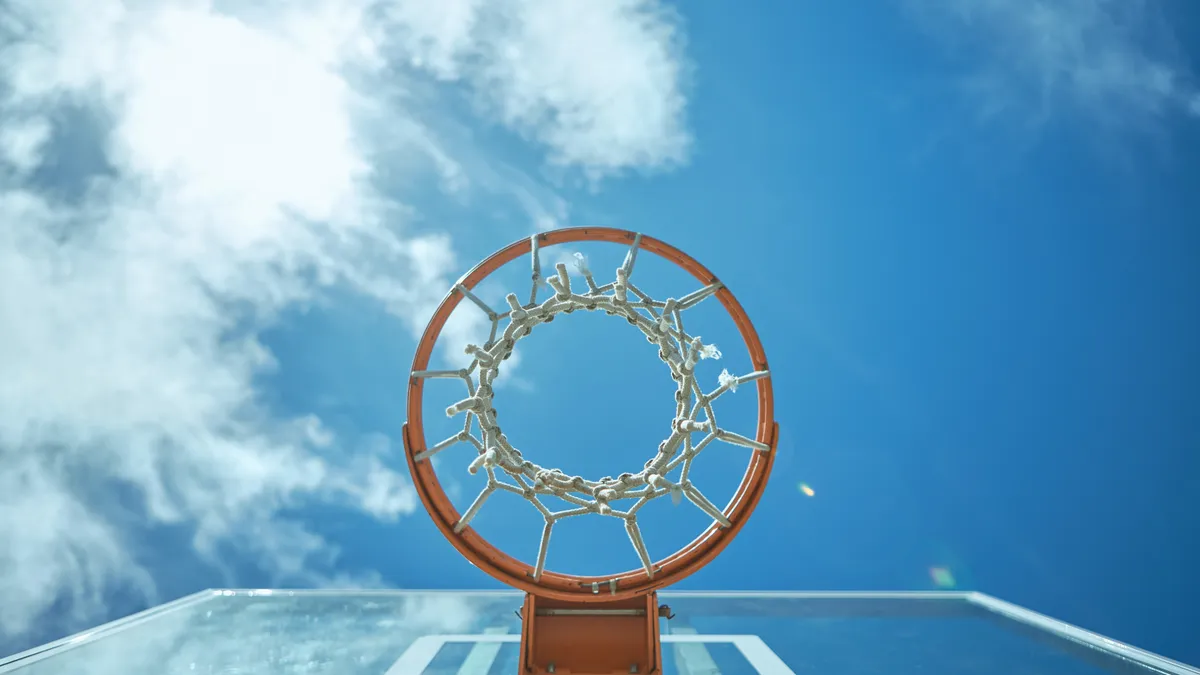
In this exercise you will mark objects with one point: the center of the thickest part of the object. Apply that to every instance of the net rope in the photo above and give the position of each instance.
(662, 324)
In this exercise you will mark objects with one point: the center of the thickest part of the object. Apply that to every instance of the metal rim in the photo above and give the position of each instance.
(631, 583)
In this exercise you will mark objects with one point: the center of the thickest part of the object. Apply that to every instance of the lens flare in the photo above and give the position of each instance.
(942, 577)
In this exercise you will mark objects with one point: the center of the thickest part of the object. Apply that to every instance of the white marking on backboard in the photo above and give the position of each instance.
(483, 654)
(424, 649)
(692, 658)
(417, 657)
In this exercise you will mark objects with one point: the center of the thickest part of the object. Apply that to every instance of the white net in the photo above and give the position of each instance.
(666, 473)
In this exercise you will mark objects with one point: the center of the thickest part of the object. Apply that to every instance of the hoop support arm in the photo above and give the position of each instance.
(587, 638)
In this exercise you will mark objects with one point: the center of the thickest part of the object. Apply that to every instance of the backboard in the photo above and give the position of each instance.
(477, 633)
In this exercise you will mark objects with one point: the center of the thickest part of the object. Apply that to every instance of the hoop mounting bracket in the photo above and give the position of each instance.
(564, 637)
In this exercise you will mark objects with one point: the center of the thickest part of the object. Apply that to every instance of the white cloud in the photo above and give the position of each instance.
(38, 506)
(599, 83)
(21, 142)
(1112, 62)
(241, 147)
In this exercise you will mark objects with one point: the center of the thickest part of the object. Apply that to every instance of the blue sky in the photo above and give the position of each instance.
(965, 236)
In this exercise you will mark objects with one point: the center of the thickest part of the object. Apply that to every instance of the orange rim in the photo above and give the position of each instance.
(518, 574)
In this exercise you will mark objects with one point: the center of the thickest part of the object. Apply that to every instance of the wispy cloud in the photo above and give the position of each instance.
(1109, 62)
(235, 170)
(599, 84)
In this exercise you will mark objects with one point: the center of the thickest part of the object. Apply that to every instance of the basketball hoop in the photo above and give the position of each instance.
(567, 598)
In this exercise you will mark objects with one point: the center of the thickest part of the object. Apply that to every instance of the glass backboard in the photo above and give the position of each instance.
(477, 633)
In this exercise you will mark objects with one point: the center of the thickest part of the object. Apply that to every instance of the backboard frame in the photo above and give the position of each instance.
(1108, 654)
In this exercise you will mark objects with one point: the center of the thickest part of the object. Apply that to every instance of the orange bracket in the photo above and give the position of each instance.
(591, 638)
